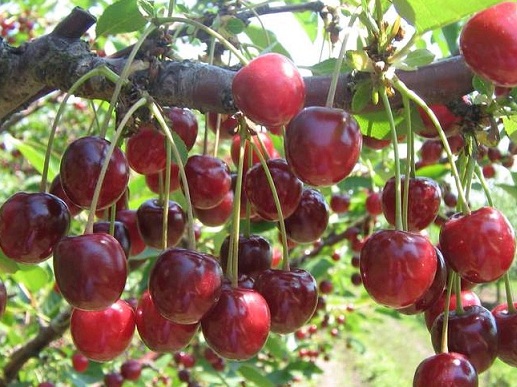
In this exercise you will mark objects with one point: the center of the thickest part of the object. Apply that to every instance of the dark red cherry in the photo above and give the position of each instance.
(227, 124)
(113, 379)
(90, 270)
(145, 150)
(218, 215)
(468, 297)
(185, 284)
(375, 143)
(149, 218)
(128, 218)
(447, 119)
(258, 191)
(238, 325)
(424, 198)
(158, 333)
(479, 246)
(80, 362)
(254, 254)
(472, 333)
(131, 369)
(373, 203)
(104, 334)
(208, 180)
(80, 168)
(322, 145)
(292, 297)
(56, 189)
(310, 219)
(184, 123)
(263, 142)
(31, 224)
(340, 203)
(153, 181)
(507, 333)
(120, 232)
(120, 204)
(405, 272)
(445, 369)
(431, 151)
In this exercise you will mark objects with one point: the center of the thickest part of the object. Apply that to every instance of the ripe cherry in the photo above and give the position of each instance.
(373, 203)
(340, 203)
(145, 150)
(56, 189)
(447, 119)
(254, 253)
(467, 298)
(375, 143)
(431, 151)
(128, 218)
(120, 232)
(113, 379)
(153, 181)
(131, 369)
(218, 215)
(507, 333)
(445, 369)
(322, 145)
(80, 362)
(184, 123)
(227, 124)
(266, 151)
(269, 90)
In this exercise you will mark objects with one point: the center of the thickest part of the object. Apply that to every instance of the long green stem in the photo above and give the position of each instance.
(457, 290)
(410, 159)
(165, 194)
(445, 327)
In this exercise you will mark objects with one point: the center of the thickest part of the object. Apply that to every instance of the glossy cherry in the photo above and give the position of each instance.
(131, 369)
(479, 246)
(405, 272)
(472, 333)
(340, 203)
(238, 326)
(445, 369)
(373, 203)
(104, 334)
(431, 151)
(90, 270)
(31, 224)
(153, 181)
(227, 124)
(488, 43)
(258, 191)
(269, 90)
(80, 168)
(145, 150)
(56, 189)
(208, 180)
(267, 149)
(120, 232)
(113, 379)
(254, 253)
(80, 362)
(309, 220)
(158, 333)
(468, 297)
(322, 145)
(185, 284)
(218, 215)
(184, 123)
(507, 333)
(375, 143)
(292, 297)
(128, 218)
(424, 199)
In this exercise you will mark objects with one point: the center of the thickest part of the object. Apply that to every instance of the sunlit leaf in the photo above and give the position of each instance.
(122, 16)
(33, 277)
(34, 153)
(327, 67)
(416, 58)
(266, 40)
(254, 375)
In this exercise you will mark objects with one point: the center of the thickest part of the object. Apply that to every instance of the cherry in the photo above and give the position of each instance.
(128, 218)
(149, 218)
(479, 246)
(322, 145)
(31, 224)
(227, 124)
(153, 181)
(472, 333)
(145, 150)
(56, 189)
(467, 298)
(120, 232)
(494, 154)
(3, 298)
(238, 326)
(340, 203)
(104, 334)
(120, 204)
(184, 123)
(373, 203)
(80, 362)
(269, 90)
(292, 297)
(113, 379)
(80, 168)
(445, 369)
(375, 143)
(309, 220)
(218, 215)
(90, 270)
(507, 333)
(326, 287)
(447, 119)
(456, 143)
(450, 199)
(131, 369)
(431, 151)
(424, 198)
(405, 272)
(491, 34)
(158, 333)
(185, 284)
(254, 254)
(488, 171)
(208, 180)
(46, 384)
(258, 138)
(287, 185)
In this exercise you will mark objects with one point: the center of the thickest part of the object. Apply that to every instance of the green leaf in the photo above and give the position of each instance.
(375, 124)
(182, 148)
(359, 60)
(7, 265)
(34, 153)
(32, 276)
(265, 40)
(276, 346)
(415, 59)
(482, 85)
(235, 26)
(146, 7)
(308, 21)
(254, 375)
(426, 15)
(122, 16)
(318, 267)
(362, 96)
(510, 189)
(510, 127)
(327, 67)
(436, 171)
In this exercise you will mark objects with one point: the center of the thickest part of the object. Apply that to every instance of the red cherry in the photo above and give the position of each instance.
(145, 150)
(309, 220)
(507, 333)
(447, 119)
(375, 143)
(258, 192)
(80, 362)
(184, 123)
(480, 246)
(424, 199)
(158, 333)
(472, 333)
(258, 138)
(431, 151)
(292, 297)
(326, 287)
(120, 232)
(128, 218)
(254, 254)
(185, 284)
(113, 379)
(227, 124)
(218, 215)
(238, 326)
(31, 224)
(488, 171)
(131, 369)
(373, 203)
(104, 334)
(153, 181)
(456, 143)
(445, 369)
(269, 90)
(340, 203)
(322, 145)
(80, 168)
(90, 270)
(56, 189)
(405, 272)
(488, 44)
(468, 298)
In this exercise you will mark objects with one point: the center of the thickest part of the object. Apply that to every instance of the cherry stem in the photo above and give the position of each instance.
(410, 159)
(165, 193)
(91, 216)
(281, 221)
(405, 91)
(394, 140)
(457, 290)
(191, 238)
(445, 327)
